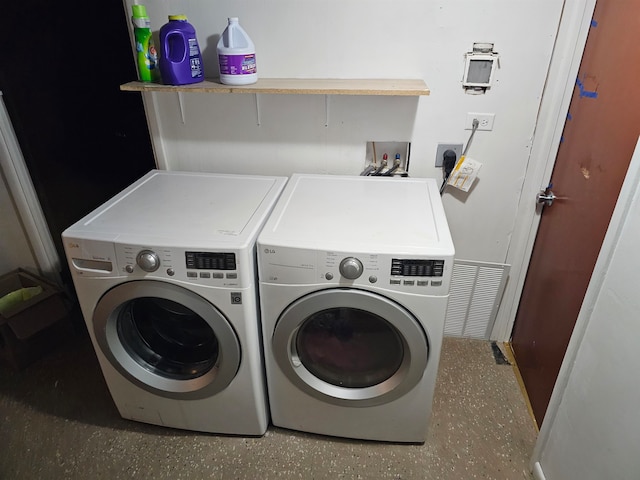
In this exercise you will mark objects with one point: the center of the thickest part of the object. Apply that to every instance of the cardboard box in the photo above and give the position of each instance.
(33, 327)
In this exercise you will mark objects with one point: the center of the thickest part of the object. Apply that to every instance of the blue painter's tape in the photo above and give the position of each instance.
(585, 93)
(569, 117)
(594, 23)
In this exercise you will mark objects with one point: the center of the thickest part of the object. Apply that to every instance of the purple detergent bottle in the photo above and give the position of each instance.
(180, 57)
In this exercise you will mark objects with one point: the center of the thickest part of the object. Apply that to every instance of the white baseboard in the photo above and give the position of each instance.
(538, 474)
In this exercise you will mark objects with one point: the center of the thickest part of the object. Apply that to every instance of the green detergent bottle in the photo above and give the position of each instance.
(147, 55)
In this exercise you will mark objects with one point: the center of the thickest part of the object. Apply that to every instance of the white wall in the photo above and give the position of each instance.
(377, 39)
(15, 248)
(591, 428)
(15, 251)
(25, 240)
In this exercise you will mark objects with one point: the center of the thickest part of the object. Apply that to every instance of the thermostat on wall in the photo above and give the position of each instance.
(480, 66)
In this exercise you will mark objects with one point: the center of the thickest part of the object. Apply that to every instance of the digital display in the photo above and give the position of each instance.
(211, 261)
(417, 268)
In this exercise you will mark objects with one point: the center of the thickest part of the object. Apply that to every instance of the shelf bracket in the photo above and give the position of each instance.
(257, 97)
(326, 110)
(181, 106)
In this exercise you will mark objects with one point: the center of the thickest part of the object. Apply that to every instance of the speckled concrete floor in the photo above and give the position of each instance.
(58, 422)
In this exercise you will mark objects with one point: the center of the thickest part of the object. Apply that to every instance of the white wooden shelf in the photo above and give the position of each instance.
(293, 86)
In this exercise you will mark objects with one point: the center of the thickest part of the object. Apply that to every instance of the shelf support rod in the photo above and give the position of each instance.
(257, 97)
(326, 110)
(181, 105)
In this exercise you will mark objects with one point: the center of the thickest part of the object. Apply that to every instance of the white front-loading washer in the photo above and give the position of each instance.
(166, 279)
(354, 281)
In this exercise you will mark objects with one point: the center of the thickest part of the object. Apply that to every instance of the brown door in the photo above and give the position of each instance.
(598, 141)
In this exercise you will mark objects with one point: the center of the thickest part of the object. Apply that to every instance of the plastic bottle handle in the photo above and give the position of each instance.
(169, 54)
(230, 36)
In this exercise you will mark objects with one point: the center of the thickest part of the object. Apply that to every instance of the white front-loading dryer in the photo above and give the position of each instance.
(165, 276)
(354, 282)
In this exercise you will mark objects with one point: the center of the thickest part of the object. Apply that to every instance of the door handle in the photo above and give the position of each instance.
(546, 197)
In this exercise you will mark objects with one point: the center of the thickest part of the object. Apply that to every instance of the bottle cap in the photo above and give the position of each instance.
(139, 11)
(181, 17)
(233, 19)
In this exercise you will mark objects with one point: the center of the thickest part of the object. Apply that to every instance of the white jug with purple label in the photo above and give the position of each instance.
(236, 56)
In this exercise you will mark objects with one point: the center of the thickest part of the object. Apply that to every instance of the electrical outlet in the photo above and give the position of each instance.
(485, 119)
(443, 147)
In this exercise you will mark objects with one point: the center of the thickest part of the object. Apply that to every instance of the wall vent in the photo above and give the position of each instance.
(474, 298)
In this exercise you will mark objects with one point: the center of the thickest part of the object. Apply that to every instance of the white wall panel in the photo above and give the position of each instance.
(15, 251)
(378, 39)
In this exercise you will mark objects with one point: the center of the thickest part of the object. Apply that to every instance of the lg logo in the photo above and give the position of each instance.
(269, 250)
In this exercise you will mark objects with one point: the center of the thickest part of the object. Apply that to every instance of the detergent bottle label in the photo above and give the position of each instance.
(195, 58)
(237, 64)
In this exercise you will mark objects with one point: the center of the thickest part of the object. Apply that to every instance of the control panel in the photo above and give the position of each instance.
(216, 265)
(203, 267)
(211, 260)
(417, 268)
(300, 266)
(219, 269)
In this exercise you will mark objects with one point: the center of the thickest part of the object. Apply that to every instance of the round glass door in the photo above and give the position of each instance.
(167, 339)
(350, 346)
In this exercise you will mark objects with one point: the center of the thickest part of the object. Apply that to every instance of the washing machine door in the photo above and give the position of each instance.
(167, 339)
(350, 347)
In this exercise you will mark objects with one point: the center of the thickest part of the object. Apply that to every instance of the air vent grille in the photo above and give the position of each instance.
(474, 298)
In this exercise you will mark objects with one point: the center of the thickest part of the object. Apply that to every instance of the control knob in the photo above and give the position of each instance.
(148, 261)
(351, 268)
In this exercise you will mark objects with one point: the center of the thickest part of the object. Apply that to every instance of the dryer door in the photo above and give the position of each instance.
(350, 347)
(166, 339)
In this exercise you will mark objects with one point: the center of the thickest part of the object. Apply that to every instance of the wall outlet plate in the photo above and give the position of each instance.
(485, 121)
(443, 147)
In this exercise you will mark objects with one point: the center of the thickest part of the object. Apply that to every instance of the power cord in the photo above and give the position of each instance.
(447, 161)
